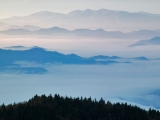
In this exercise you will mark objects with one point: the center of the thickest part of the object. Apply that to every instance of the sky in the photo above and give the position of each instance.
(10, 8)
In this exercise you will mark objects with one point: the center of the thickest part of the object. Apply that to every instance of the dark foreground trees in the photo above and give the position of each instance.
(65, 108)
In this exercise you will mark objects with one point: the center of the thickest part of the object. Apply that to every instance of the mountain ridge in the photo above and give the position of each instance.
(91, 19)
(27, 27)
(152, 41)
(93, 33)
(11, 56)
(9, 60)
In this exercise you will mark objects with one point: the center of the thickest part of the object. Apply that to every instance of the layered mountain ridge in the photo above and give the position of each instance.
(90, 19)
(96, 33)
(10, 59)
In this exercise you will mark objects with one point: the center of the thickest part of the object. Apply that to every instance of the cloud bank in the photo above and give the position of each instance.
(136, 83)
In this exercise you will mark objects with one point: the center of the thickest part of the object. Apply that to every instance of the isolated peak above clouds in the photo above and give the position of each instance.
(152, 41)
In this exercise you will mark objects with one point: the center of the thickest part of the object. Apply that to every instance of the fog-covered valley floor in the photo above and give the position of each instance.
(129, 80)
(136, 82)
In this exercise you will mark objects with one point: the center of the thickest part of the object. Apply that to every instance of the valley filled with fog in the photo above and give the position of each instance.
(117, 82)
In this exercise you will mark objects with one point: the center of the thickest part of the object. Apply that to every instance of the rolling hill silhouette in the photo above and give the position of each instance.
(152, 41)
(41, 56)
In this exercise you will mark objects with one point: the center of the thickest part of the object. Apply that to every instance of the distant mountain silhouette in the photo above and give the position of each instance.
(141, 58)
(26, 27)
(90, 19)
(43, 15)
(41, 56)
(53, 30)
(153, 41)
(10, 58)
(16, 32)
(98, 33)
(105, 57)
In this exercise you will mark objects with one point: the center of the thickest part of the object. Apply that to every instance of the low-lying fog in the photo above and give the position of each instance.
(136, 82)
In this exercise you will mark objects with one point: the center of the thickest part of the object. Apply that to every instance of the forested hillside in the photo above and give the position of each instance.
(65, 108)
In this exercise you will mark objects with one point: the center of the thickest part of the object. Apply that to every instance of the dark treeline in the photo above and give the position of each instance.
(67, 108)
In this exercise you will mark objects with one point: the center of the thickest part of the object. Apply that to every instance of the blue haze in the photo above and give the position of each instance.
(136, 81)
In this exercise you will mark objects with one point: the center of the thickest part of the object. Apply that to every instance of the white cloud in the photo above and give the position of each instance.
(122, 82)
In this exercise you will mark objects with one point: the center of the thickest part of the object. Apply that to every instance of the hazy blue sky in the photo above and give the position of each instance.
(25, 7)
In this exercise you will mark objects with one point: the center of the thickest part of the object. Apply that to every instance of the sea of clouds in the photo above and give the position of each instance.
(136, 82)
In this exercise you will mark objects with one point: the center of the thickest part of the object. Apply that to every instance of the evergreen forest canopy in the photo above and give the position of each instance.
(67, 108)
